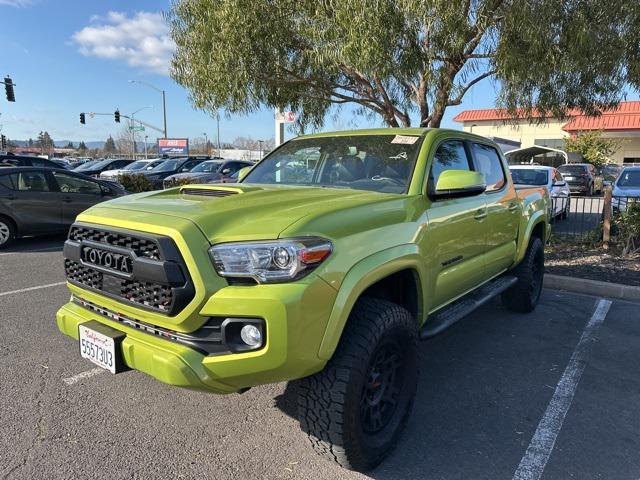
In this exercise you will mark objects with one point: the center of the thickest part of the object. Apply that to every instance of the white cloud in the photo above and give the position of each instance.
(17, 3)
(141, 40)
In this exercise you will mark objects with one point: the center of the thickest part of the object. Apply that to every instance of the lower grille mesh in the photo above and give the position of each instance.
(152, 295)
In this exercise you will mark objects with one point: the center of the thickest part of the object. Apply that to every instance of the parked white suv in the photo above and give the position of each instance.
(137, 166)
(525, 176)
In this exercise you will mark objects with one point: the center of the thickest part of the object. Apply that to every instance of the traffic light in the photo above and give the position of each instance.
(3, 142)
(82, 119)
(116, 116)
(8, 87)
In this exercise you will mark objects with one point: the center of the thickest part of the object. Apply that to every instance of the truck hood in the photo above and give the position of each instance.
(257, 212)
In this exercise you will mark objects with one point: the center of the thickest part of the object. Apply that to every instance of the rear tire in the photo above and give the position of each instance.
(354, 410)
(524, 295)
(7, 232)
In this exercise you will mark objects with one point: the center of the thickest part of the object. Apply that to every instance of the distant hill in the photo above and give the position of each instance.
(90, 145)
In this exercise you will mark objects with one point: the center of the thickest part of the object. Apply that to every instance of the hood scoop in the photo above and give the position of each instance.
(209, 192)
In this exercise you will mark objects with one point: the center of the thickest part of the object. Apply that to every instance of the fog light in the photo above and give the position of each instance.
(251, 335)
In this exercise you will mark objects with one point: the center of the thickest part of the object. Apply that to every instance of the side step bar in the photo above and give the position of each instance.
(447, 316)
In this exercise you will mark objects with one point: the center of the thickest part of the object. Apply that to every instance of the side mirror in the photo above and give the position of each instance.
(459, 183)
(243, 173)
(226, 171)
(184, 170)
(560, 184)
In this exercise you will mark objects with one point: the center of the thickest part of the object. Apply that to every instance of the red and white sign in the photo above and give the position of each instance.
(173, 146)
(286, 117)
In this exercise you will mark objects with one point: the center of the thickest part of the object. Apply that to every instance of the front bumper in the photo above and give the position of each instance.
(295, 317)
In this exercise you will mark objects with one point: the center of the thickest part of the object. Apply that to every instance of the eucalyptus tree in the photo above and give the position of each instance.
(404, 59)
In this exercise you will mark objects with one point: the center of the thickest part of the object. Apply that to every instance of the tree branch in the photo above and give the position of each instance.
(458, 100)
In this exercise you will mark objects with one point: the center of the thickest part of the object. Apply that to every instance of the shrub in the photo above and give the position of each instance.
(178, 182)
(627, 224)
(134, 182)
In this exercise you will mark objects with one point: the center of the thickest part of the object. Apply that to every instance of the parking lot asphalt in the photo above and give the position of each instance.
(554, 394)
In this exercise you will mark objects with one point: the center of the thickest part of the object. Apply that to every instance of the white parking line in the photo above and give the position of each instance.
(83, 375)
(535, 458)
(38, 287)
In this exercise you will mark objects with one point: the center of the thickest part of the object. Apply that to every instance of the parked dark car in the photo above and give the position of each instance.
(582, 178)
(208, 172)
(38, 201)
(95, 169)
(170, 167)
(26, 161)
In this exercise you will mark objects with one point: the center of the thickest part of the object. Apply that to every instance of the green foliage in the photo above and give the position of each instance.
(403, 59)
(627, 225)
(110, 145)
(593, 147)
(178, 182)
(135, 183)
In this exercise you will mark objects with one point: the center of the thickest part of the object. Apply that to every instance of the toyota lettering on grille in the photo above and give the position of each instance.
(106, 260)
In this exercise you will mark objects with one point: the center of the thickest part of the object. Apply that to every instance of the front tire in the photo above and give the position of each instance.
(7, 232)
(354, 410)
(524, 295)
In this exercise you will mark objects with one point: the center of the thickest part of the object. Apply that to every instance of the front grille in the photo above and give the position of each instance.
(157, 279)
(142, 247)
(208, 192)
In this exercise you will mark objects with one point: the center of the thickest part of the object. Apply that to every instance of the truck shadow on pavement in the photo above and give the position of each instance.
(484, 384)
(50, 243)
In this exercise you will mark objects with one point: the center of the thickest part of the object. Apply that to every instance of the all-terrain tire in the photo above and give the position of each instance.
(347, 410)
(524, 295)
(7, 232)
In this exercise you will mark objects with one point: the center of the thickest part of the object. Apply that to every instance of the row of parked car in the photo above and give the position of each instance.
(38, 196)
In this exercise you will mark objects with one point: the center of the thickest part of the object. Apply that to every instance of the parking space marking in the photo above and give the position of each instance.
(38, 287)
(83, 375)
(535, 458)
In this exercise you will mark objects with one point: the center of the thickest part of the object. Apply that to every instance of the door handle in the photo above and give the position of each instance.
(481, 214)
(513, 206)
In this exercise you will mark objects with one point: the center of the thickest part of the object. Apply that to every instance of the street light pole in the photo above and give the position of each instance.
(164, 102)
(218, 128)
(133, 128)
(206, 143)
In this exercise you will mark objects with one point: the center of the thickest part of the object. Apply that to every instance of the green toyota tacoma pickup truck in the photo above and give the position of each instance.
(325, 265)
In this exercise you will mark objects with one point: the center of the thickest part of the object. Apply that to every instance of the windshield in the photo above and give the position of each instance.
(136, 165)
(573, 169)
(99, 165)
(168, 165)
(530, 176)
(85, 165)
(207, 167)
(380, 163)
(629, 179)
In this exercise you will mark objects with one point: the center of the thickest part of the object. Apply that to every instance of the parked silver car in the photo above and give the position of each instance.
(626, 189)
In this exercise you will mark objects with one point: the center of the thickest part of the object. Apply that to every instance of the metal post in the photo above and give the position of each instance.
(606, 227)
(133, 135)
(164, 111)
(206, 144)
(279, 128)
(145, 147)
(218, 129)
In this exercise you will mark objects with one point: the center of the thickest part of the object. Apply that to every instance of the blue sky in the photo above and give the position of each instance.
(68, 57)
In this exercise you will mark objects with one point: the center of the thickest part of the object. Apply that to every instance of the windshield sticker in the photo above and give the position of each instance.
(404, 139)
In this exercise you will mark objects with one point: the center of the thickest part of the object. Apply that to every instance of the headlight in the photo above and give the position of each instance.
(270, 262)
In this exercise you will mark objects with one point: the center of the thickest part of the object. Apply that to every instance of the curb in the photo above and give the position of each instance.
(592, 287)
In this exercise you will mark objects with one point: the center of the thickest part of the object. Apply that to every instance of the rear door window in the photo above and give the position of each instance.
(490, 165)
(72, 184)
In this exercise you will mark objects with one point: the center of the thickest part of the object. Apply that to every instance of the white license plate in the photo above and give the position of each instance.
(98, 348)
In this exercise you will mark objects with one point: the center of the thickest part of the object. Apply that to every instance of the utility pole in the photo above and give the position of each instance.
(206, 143)
(218, 127)
(279, 128)
(260, 142)
(145, 147)
(164, 101)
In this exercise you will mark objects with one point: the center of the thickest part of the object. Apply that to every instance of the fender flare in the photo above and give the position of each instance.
(360, 277)
(537, 218)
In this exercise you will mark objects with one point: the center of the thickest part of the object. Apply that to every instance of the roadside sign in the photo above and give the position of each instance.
(286, 117)
(173, 146)
(136, 129)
